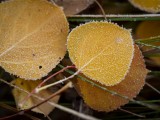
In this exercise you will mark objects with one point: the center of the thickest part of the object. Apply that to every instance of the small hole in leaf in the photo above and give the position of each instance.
(59, 57)
(40, 67)
(33, 54)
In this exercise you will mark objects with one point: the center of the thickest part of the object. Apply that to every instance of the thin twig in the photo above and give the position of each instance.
(48, 117)
(134, 114)
(102, 10)
(55, 83)
(153, 88)
(68, 85)
(15, 110)
(44, 81)
(44, 101)
(68, 110)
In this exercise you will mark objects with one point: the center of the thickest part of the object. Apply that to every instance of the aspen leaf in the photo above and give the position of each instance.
(149, 29)
(32, 37)
(101, 100)
(29, 86)
(102, 51)
(72, 7)
(152, 6)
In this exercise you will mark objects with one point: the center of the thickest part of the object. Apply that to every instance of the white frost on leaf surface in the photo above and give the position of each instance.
(32, 37)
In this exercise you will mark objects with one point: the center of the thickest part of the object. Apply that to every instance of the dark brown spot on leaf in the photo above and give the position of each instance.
(40, 67)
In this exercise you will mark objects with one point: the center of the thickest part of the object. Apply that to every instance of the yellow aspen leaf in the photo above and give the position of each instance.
(149, 29)
(101, 100)
(152, 6)
(33, 37)
(29, 86)
(102, 51)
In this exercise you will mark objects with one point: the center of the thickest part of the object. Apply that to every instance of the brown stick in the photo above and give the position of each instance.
(68, 85)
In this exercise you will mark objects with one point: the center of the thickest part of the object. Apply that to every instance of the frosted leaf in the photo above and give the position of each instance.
(101, 100)
(29, 86)
(148, 29)
(32, 37)
(152, 6)
(102, 51)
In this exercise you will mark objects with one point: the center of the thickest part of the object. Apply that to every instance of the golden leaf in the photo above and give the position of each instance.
(102, 51)
(32, 37)
(148, 29)
(101, 100)
(29, 86)
(152, 6)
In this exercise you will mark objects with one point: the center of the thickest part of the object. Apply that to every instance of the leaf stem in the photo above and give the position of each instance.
(44, 81)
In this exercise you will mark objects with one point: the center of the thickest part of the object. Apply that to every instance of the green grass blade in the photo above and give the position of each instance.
(87, 18)
(149, 40)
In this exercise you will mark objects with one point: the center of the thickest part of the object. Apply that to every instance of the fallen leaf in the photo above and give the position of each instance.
(102, 51)
(148, 29)
(33, 37)
(101, 100)
(32, 101)
(72, 7)
(152, 6)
